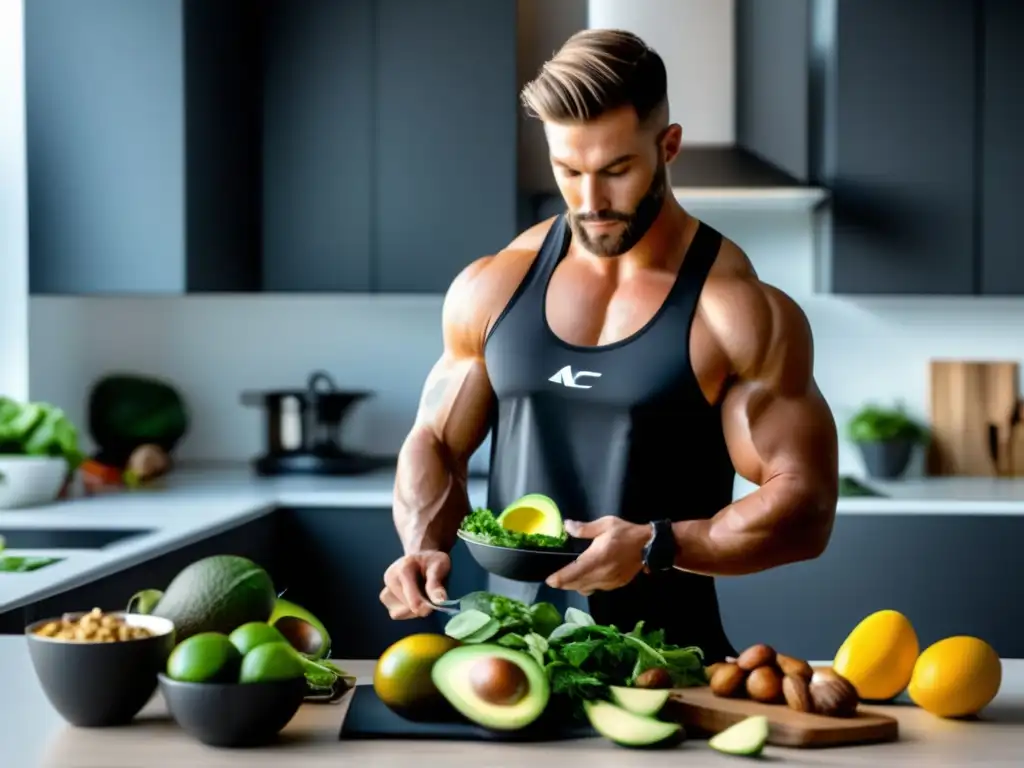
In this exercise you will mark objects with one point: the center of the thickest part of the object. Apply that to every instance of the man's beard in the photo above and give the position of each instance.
(636, 223)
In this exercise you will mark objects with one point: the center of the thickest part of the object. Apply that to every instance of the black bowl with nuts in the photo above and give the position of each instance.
(99, 668)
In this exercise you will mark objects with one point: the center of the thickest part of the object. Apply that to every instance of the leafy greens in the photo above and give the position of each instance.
(581, 658)
(37, 429)
(482, 525)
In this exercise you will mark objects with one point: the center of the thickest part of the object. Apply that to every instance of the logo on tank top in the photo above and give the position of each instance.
(567, 378)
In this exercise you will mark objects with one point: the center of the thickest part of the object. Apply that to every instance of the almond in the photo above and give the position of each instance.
(755, 656)
(727, 680)
(797, 692)
(793, 666)
(764, 684)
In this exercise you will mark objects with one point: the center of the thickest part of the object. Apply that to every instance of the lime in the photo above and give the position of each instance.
(202, 658)
(270, 661)
(253, 633)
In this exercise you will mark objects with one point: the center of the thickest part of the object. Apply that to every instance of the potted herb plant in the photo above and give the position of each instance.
(886, 438)
(38, 452)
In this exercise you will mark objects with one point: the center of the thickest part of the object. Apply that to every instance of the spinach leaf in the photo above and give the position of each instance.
(465, 623)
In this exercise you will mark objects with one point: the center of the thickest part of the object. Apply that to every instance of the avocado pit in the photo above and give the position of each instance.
(302, 635)
(498, 681)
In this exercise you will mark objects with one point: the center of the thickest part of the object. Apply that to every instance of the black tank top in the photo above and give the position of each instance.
(620, 429)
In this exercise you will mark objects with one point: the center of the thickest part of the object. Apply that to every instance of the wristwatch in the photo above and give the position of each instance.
(660, 551)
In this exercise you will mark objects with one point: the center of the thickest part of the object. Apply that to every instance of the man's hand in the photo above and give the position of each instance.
(405, 581)
(613, 559)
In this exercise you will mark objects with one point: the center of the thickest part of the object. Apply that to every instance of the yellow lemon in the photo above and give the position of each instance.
(878, 656)
(955, 677)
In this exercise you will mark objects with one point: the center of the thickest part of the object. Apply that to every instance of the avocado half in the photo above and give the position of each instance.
(499, 688)
(630, 729)
(533, 513)
(284, 609)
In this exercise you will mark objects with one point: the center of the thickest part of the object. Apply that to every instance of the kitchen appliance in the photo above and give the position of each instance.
(303, 430)
(974, 417)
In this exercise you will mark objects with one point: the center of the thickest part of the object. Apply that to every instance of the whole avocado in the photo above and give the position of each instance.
(216, 594)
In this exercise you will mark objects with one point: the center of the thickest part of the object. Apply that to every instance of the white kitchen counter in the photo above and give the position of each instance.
(193, 505)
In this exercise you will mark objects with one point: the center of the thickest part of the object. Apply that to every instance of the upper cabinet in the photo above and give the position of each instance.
(904, 112)
(276, 145)
(142, 157)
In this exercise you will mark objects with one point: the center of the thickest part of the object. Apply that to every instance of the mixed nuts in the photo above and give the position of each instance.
(762, 674)
(92, 627)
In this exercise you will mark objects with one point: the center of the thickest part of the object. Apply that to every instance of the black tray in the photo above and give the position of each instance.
(369, 718)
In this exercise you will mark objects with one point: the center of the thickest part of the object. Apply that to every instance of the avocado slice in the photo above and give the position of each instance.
(307, 642)
(533, 513)
(629, 729)
(747, 737)
(640, 701)
(499, 688)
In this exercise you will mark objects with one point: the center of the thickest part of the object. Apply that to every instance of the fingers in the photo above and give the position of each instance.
(579, 570)
(436, 572)
(590, 529)
(402, 581)
(396, 608)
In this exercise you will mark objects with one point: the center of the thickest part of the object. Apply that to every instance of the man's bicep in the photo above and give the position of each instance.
(775, 418)
(455, 404)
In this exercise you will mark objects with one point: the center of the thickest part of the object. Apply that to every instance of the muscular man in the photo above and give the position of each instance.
(629, 362)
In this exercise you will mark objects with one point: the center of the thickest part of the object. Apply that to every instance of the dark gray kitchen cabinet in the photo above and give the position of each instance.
(948, 574)
(318, 145)
(389, 158)
(1002, 149)
(332, 562)
(445, 158)
(142, 148)
(903, 111)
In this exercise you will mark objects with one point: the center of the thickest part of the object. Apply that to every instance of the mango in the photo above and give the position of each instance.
(402, 678)
(878, 656)
(956, 677)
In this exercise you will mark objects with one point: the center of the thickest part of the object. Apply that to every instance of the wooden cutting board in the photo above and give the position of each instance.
(704, 714)
(973, 404)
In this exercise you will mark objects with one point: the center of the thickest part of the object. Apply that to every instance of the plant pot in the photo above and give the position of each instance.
(886, 459)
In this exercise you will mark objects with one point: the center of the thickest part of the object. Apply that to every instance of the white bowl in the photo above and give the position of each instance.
(27, 481)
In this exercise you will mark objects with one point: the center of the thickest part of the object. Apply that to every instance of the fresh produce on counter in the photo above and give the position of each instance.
(954, 677)
(531, 522)
(37, 429)
(505, 665)
(230, 600)
(128, 410)
(22, 563)
(746, 738)
(253, 653)
(762, 674)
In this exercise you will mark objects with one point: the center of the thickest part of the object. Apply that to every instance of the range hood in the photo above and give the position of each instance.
(698, 40)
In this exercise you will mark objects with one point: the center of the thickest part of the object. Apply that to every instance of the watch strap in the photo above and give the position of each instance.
(660, 551)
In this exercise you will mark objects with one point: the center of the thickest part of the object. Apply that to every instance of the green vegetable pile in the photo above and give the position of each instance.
(23, 563)
(482, 525)
(581, 658)
(37, 429)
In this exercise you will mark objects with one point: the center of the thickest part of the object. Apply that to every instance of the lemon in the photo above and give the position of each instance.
(878, 656)
(956, 677)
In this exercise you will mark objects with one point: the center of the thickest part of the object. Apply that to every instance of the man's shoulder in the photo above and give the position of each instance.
(482, 290)
(746, 315)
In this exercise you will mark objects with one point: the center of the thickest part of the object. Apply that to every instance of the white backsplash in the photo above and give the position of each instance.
(212, 348)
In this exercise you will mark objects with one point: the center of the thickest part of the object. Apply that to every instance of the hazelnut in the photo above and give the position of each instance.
(797, 692)
(793, 666)
(764, 684)
(727, 680)
(755, 656)
(833, 695)
(655, 677)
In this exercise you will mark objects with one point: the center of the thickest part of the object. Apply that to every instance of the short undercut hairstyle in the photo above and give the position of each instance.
(597, 71)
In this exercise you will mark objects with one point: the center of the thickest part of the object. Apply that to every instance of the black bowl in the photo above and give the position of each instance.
(233, 714)
(532, 565)
(93, 684)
